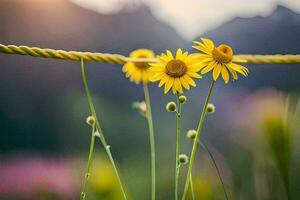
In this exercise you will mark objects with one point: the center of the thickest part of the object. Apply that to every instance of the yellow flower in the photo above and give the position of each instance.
(175, 73)
(138, 72)
(219, 59)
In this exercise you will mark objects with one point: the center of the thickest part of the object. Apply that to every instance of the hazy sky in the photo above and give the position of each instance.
(191, 17)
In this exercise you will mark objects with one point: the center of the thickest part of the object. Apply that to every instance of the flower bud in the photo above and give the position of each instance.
(171, 106)
(135, 105)
(191, 134)
(90, 120)
(143, 107)
(183, 159)
(97, 134)
(140, 106)
(210, 108)
(182, 99)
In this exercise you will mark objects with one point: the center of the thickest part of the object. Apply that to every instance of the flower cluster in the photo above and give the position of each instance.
(177, 72)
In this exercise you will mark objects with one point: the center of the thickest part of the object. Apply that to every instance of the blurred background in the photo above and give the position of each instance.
(253, 135)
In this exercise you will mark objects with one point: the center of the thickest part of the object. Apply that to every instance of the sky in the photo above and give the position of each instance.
(193, 17)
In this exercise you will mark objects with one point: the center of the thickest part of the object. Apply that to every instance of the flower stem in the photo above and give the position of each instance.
(215, 165)
(88, 165)
(178, 146)
(98, 127)
(192, 187)
(152, 139)
(199, 128)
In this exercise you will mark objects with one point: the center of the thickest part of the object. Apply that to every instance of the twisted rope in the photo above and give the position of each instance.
(270, 59)
(120, 59)
(69, 55)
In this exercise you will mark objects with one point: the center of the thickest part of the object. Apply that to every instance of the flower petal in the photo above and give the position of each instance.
(197, 68)
(208, 43)
(163, 81)
(157, 76)
(157, 69)
(169, 54)
(169, 84)
(233, 73)
(237, 68)
(225, 74)
(193, 74)
(217, 71)
(189, 80)
(204, 50)
(174, 89)
(178, 54)
(184, 83)
(209, 67)
(163, 59)
(177, 85)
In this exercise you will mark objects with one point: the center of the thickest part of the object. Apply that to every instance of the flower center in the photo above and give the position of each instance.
(223, 53)
(176, 68)
(142, 65)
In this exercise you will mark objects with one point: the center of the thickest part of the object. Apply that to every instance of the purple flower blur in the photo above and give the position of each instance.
(35, 178)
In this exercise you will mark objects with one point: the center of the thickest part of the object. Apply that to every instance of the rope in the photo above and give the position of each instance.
(120, 59)
(270, 59)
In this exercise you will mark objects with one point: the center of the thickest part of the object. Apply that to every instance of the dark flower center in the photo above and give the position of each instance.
(142, 65)
(223, 53)
(176, 68)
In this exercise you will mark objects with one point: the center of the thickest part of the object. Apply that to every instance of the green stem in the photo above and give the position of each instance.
(177, 169)
(88, 165)
(199, 128)
(192, 187)
(98, 127)
(152, 139)
(216, 166)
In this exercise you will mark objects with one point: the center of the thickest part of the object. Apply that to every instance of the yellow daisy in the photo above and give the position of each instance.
(139, 71)
(219, 59)
(175, 72)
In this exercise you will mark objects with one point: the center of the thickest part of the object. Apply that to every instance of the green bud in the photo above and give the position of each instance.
(97, 134)
(140, 106)
(143, 107)
(191, 134)
(183, 159)
(182, 99)
(135, 105)
(210, 108)
(171, 106)
(90, 120)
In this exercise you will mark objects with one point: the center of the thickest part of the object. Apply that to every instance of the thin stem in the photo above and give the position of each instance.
(152, 140)
(178, 146)
(215, 165)
(88, 165)
(192, 187)
(199, 128)
(98, 127)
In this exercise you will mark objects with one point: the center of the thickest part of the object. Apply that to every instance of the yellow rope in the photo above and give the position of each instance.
(120, 59)
(270, 59)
